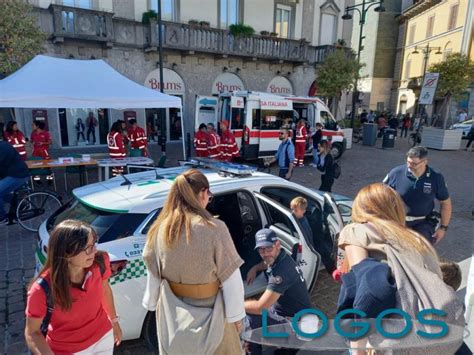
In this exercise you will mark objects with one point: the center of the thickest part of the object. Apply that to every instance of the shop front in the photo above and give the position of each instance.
(165, 123)
(227, 82)
(280, 85)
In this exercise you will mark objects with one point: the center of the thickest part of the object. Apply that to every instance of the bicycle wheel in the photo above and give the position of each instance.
(412, 139)
(35, 208)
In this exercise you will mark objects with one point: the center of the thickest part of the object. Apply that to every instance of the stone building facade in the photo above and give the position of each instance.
(199, 59)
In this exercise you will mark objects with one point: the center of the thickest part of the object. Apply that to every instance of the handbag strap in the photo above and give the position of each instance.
(49, 305)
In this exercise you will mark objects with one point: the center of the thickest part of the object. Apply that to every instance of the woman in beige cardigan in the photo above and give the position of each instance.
(194, 282)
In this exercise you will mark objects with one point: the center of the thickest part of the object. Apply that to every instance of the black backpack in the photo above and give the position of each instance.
(337, 170)
(49, 299)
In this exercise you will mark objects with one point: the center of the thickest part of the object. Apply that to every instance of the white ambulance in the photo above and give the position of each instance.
(121, 212)
(256, 118)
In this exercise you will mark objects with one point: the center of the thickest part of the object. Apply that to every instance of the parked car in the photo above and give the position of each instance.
(121, 210)
(465, 126)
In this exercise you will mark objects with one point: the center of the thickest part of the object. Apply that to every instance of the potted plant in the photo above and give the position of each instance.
(265, 33)
(149, 15)
(273, 34)
(341, 42)
(194, 23)
(205, 24)
(241, 30)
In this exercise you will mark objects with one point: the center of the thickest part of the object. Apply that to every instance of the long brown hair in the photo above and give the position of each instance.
(383, 207)
(181, 205)
(68, 238)
(326, 146)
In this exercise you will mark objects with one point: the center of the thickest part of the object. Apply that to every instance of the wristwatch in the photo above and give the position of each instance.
(443, 227)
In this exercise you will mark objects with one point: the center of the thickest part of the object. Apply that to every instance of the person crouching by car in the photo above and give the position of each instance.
(286, 293)
(74, 281)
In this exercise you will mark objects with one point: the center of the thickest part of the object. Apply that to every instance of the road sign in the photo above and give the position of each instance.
(429, 88)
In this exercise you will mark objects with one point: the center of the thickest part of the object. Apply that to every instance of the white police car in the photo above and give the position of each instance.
(121, 210)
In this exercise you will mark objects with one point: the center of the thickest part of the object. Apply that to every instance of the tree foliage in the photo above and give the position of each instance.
(337, 73)
(456, 73)
(20, 37)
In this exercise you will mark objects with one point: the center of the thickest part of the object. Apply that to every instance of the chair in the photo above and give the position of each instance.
(74, 170)
(41, 172)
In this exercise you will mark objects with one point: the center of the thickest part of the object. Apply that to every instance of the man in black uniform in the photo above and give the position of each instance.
(419, 186)
(13, 174)
(286, 292)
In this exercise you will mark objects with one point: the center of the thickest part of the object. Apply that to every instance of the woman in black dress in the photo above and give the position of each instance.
(326, 166)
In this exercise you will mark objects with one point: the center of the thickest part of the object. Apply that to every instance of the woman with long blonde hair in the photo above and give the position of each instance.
(193, 265)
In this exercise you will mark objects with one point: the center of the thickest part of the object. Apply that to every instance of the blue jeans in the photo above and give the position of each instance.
(315, 156)
(7, 186)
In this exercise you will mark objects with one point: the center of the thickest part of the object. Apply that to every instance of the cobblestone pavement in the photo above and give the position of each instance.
(360, 166)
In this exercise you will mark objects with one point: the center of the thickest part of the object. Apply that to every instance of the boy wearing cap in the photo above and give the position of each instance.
(286, 292)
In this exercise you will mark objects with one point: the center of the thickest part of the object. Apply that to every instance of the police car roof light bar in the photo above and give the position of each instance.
(230, 168)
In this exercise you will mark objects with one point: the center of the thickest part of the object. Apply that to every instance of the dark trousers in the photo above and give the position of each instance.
(324, 248)
(89, 131)
(80, 134)
(471, 138)
(424, 227)
(404, 129)
(255, 322)
(326, 183)
(282, 173)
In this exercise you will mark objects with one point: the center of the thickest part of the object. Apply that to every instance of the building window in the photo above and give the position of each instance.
(330, 12)
(407, 69)
(84, 4)
(411, 37)
(169, 9)
(283, 21)
(229, 12)
(67, 18)
(453, 16)
(430, 26)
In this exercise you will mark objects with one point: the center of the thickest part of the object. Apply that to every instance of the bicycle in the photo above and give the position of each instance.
(415, 137)
(30, 208)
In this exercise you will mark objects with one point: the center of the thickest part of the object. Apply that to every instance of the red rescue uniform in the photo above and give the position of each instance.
(116, 146)
(214, 146)
(300, 144)
(138, 140)
(228, 145)
(40, 141)
(18, 141)
(201, 144)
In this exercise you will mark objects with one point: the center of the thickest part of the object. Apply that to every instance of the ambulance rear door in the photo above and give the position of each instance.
(206, 111)
(237, 118)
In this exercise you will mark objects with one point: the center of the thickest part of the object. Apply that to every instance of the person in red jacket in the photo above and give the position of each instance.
(116, 146)
(300, 143)
(138, 140)
(214, 143)
(201, 139)
(229, 147)
(41, 140)
(16, 138)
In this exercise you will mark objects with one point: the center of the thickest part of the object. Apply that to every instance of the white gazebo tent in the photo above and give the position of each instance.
(47, 82)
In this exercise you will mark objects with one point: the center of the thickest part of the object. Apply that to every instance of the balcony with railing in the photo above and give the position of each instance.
(190, 38)
(81, 23)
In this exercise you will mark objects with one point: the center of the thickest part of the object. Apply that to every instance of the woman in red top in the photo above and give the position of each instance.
(41, 140)
(83, 318)
(16, 138)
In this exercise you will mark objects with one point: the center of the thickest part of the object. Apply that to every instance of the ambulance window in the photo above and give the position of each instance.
(273, 120)
(237, 121)
(225, 109)
(206, 115)
(328, 122)
(256, 114)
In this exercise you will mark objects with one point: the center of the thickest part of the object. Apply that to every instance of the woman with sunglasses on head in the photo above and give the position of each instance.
(193, 265)
(83, 319)
(326, 166)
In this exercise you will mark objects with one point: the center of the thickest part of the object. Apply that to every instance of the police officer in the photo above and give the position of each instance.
(419, 186)
(285, 155)
(286, 292)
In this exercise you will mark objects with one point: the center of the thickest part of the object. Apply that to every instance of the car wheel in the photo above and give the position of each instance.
(149, 333)
(336, 150)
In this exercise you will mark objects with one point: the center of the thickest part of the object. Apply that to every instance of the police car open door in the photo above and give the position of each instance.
(289, 232)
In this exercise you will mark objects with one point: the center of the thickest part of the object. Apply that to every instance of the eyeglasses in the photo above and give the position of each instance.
(89, 249)
(282, 133)
(412, 163)
(210, 195)
(265, 249)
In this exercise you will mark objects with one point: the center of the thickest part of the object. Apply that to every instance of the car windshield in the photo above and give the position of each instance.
(108, 225)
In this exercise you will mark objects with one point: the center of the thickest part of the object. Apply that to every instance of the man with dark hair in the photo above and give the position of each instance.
(419, 186)
(138, 140)
(285, 155)
(201, 141)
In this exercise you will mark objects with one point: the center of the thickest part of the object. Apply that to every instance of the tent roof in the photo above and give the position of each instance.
(47, 82)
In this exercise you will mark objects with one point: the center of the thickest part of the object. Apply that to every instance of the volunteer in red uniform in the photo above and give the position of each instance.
(300, 143)
(116, 146)
(138, 140)
(83, 319)
(16, 138)
(214, 143)
(229, 147)
(201, 139)
(41, 140)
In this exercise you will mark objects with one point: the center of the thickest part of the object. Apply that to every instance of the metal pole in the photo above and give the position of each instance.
(355, 93)
(426, 53)
(160, 59)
